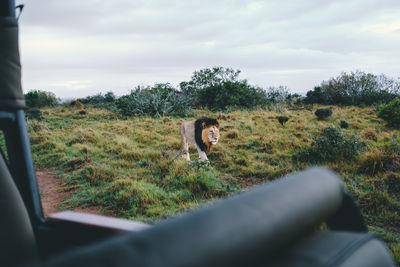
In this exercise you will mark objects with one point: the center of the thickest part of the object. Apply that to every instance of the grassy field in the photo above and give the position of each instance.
(131, 167)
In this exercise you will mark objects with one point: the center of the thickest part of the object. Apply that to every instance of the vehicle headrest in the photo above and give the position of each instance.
(11, 95)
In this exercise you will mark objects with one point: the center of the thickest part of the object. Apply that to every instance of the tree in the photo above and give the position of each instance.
(355, 88)
(98, 99)
(208, 77)
(278, 94)
(109, 97)
(220, 88)
(230, 94)
(39, 99)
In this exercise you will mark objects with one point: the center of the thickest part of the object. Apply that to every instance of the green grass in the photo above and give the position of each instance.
(131, 167)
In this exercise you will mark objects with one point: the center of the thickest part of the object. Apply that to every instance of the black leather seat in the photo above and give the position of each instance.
(17, 239)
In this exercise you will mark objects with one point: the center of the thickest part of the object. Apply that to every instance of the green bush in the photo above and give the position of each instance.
(323, 113)
(33, 113)
(39, 99)
(391, 112)
(355, 88)
(100, 101)
(231, 95)
(344, 124)
(278, 94)
(283, 119)
(208, 77)
(332, 145)
(160, 100)
(109, 97)
(220, 88)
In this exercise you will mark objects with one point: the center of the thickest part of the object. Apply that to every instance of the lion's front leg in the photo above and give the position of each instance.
(185, 154)
(185, 151)
(202, 154)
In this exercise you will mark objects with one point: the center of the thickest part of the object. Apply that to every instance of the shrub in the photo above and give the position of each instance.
(208, 77)
(109, 97)
(332, 145)
(344, 124)
(33, 113)
(278, 94)
(394, 146)
(160, 100)
(220, 88)
(323, 113)
(39, 99)
(391, 112)
(283, 119)
(392, 180)
(355, 88)
(100, 101)
(278, 107)
(231, 95)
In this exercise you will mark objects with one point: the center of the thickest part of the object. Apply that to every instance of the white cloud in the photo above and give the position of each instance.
(209, 43)
(383, 28)
(115, 45)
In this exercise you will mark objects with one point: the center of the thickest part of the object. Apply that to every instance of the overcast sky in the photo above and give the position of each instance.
(78, 48)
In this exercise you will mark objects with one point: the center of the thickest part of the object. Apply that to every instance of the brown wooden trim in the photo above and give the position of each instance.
(93, 220)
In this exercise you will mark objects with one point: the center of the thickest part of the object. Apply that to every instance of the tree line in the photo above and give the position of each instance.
(221, 89)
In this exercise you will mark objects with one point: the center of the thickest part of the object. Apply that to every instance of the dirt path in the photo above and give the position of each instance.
(52, 195)
(248, 182)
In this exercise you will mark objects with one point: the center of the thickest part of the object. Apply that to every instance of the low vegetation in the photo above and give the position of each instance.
(390, 112)
(344, 124)
(40, 99)
(283, 119)
(159, 100)
(122, 153)
(100, 101)
(323, 113)
(332, 145)
(356, 88)
(130, 166)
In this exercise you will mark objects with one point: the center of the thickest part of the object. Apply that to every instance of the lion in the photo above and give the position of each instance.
(203, 133)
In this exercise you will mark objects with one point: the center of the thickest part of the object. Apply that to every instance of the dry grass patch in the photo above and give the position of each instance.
(131, 166)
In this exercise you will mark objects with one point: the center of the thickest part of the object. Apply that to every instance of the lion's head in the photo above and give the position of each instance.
(206, 133)
(211, 134)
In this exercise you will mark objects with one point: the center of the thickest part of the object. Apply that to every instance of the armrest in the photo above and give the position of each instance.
(245, 230)
(68, 230)
(96, 221)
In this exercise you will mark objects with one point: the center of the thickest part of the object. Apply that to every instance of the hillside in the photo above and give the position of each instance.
(131, 167)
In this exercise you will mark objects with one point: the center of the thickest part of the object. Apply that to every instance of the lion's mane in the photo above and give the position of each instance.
(199, 126)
